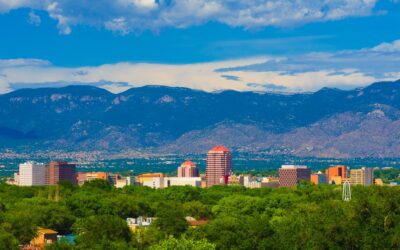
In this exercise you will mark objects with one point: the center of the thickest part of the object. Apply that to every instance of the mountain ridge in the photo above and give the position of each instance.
(159, 118)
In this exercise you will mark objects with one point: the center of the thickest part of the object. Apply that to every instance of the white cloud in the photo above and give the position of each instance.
(117, 25)
(138, 15)
(21, 62)
(388, 47)
(34, 19)
(306, 72)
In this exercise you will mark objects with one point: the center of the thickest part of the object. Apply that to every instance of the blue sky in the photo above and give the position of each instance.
(217, 44)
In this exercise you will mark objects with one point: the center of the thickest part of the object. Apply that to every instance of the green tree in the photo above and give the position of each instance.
(170, 220)
(105, 231)
(183, 244)
(8, 241)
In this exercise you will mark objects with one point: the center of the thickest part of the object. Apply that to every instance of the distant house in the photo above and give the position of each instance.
(139, 222)
(193, 223)
(44, 237)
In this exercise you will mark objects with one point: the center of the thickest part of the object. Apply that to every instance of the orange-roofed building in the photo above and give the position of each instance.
(336, 174)
(188, 169)
(220, 148)
(193, 223)
(219, 165)
(43, 237)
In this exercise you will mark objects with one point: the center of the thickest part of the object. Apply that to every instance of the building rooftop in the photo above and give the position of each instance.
(188, 163)
(47, 231)
(294, 167)
(219, 148)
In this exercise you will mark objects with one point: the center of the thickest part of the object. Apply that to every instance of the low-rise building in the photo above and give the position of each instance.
(233, 180)
(262, 182)
(318, 178)
(140, 222)
(379, 182)
(164, 182)
(125, 181)
(140, 179)
(89, 176)
(193, 223)
(43, 238)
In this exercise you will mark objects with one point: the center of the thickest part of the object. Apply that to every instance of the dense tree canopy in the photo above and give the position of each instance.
(304, 217)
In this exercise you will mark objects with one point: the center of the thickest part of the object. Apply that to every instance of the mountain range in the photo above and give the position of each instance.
(364, 122)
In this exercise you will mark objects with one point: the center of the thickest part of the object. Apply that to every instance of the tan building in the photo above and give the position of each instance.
(188, 169)
(234, 180)
(125, 181)
(219, 165)
(148, 177)
(363, 176)
(378, 182)
(89, 176)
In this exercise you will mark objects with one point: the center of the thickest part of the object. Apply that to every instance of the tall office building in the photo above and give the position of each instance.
(337, 174)
(60, 171)
(363, 176)
(219, 165)
(32, 174)
(290, 175)
(188, 169)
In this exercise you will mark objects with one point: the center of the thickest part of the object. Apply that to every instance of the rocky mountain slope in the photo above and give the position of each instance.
(363, 122)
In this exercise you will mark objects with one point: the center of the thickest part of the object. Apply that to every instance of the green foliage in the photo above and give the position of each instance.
(305, 217)
(60, 245)
(97, 184)
(197, 210)
(388, 175)
(171, 220)
(8, 241)
(183, 244)
(102, 231)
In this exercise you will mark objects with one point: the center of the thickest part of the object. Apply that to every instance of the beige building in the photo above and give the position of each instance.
(164, 182)
(148, 177)
(363, 176)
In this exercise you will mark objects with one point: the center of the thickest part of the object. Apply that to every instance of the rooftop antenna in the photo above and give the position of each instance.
(346, 191)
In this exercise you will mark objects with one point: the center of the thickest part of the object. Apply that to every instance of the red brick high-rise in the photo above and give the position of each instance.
(290, 175)
(188, 169)
(219, 165)
(60, 171)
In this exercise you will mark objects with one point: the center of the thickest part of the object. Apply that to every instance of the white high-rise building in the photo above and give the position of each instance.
(32, 174)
